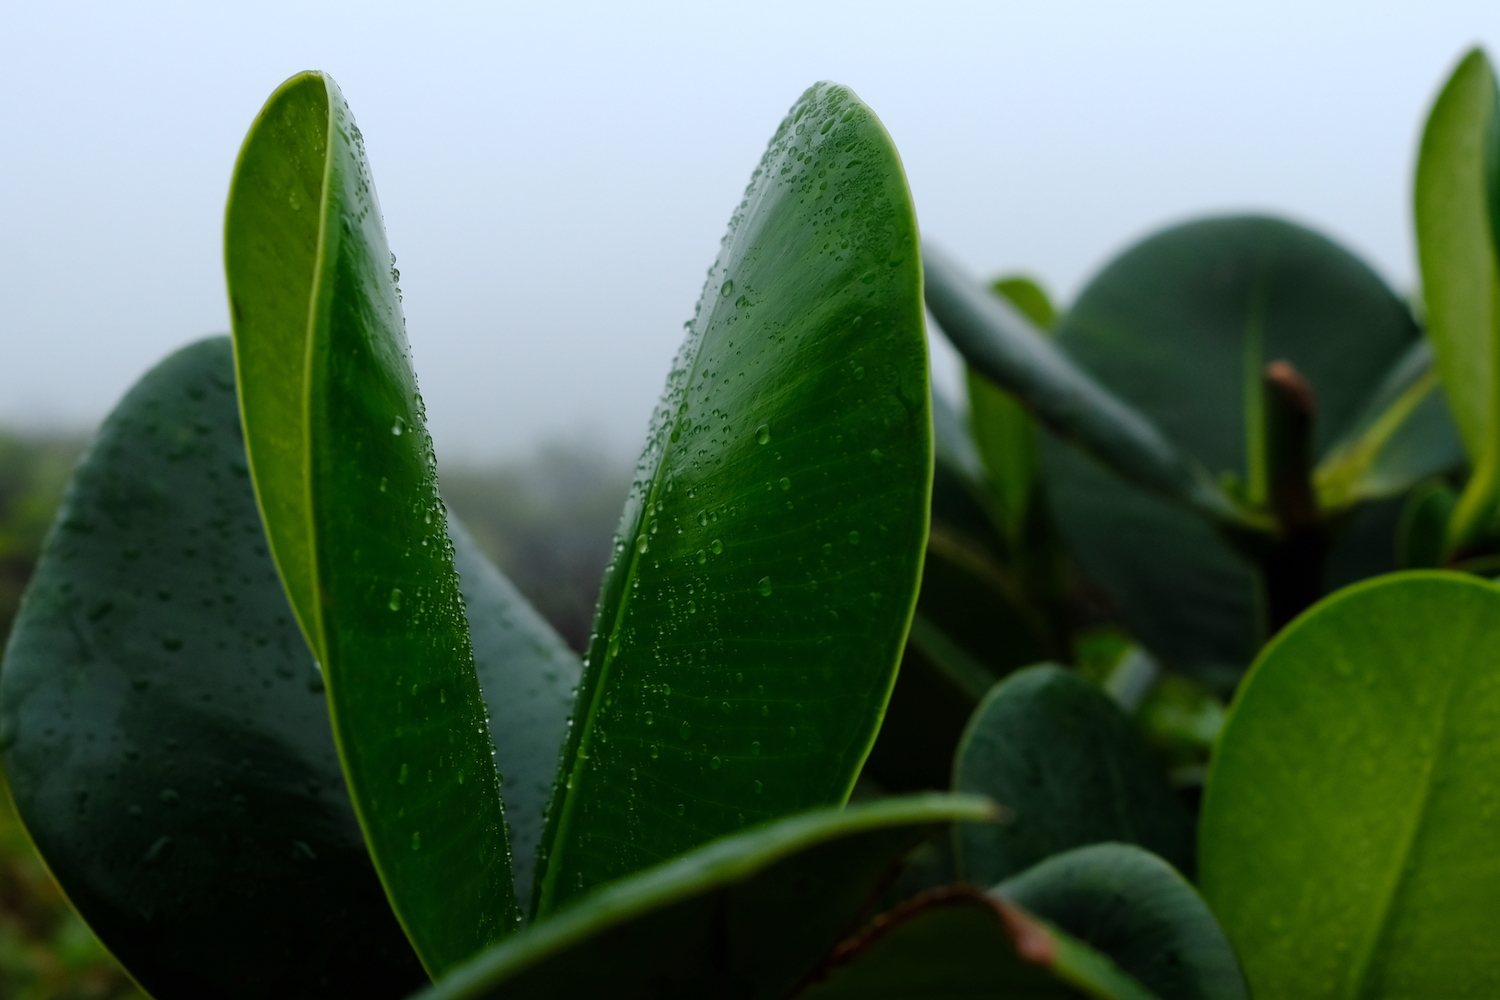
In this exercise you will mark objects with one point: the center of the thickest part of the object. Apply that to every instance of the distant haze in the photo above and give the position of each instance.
(555, 177)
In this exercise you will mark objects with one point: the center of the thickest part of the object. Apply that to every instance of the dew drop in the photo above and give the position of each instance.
(702, 557)
(764, 586)
(652, 751)
(649, 719)
(726, 289)
(405, 773)
(755, 748)
(876, 456)
(786, 483)
(686, 729)
(716, 763)
(681, 808)
(859, 373)
(399, 427)
(853, 538)
(642, 544)
(716, 547)
(395, 602)
(758, 786)
(416, 841)
(763, 434)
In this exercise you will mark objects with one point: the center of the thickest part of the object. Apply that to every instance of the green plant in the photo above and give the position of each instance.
(1235, 419)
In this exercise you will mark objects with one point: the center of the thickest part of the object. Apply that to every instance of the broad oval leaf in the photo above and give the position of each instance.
(960, 942)
(767, 560)
(345, 474)
(1461, 280)
(749, 915)
(1131, 905)
(165, 729)
(1180, 326)
(1071, 769)
(1347, 835)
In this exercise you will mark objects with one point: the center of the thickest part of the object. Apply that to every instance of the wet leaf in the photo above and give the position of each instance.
(750, 623)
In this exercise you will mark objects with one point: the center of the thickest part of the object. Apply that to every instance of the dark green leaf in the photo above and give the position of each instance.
(962, 943)
(1001, 344)
(1460, 279)
(528, 675)
(344, 468)
(1421, 539)
(1404, 435)
(165, 730)
(1181, 327)
(749, 915)
(1070, 768)
(1347, 836)
(767, 560)
(1134, 907)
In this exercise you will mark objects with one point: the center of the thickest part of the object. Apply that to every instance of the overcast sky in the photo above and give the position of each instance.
(556, 176)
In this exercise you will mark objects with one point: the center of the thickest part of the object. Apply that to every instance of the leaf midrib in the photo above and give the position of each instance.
(1381, 927)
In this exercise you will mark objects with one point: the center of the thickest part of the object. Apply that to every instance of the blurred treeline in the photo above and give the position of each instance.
(546, 520)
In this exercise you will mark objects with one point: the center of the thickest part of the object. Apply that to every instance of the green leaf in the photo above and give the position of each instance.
(767, 560)
(961, 942)
(1134, 907)
(1461, 281)
(1346, 840)
(999, 343)
(528, 675)
(344, 470)
(1071, 769)
(1422, 537)
(165, 730)
(1003, 432)
(749, 915)
(1181, 327)
(1404, 435)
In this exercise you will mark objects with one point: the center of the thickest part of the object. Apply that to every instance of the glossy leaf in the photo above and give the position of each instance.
(1001, 344)
(961, 942)
(344, 469)
(750, 623)
(1181, 327)
(1461, 280)
(1135, 908)
(1346, 840)
(1070, 768)
(528, 675)
(749, 915)
(165, 730)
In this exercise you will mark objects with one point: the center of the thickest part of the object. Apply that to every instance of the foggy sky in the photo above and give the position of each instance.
(556, 177)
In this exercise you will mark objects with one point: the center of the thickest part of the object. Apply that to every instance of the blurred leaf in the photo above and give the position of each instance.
(750, 624)
(1135, 908)
(165, 730)
(1181, 326)
(1422, 536)
(528, 676)
(344, 473)
(1460, 279)
(1003, 432)
(999, 343)
(961, 942)
(1404, 435)
(748, 915)
(1347, 834)
(1070, 768)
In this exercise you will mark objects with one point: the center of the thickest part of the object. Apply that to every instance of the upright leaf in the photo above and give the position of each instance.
(165, 730)
(749, 915)
(1071, 769)
(344, 471)
(1134, 907)
(528, 675)
(1181, 327)
(1347, 834)
(1461, 281)
(767, 560)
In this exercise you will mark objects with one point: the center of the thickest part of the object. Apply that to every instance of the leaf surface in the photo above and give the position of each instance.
(1180, 327)
(960, 942)
(345, 474)
(165, 729)
(1362, 747)
(1135, 908)
(750, 623)
(1461, 280)
(749, 915)
(1070, 768)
